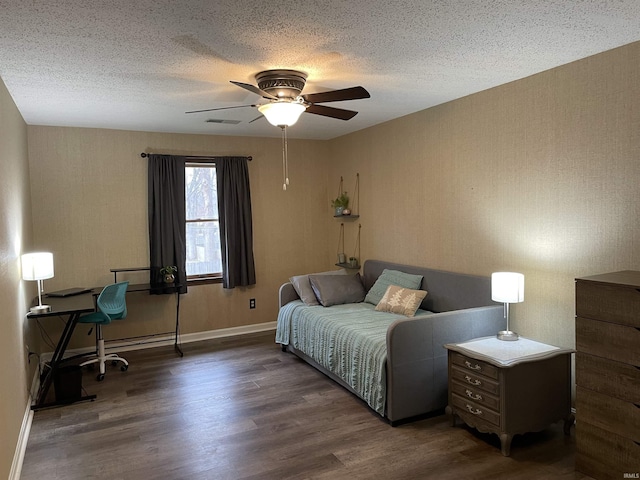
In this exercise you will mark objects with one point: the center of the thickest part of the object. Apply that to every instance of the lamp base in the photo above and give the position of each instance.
(507, 335)
(40, 309)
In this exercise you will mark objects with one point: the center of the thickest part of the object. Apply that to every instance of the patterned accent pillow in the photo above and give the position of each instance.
(391, 277)
(401, 300)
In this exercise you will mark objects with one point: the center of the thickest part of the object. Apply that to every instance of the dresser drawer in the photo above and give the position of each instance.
(608, 413)
(476, 395)
(475, 366)
(609, 377)
(467, 378)
(604, 455)
(468, 408)
(608, 340)
(611, 303)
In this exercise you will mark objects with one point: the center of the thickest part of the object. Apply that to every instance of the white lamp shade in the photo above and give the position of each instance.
(282, 113)
(37, 266)
(507, 287)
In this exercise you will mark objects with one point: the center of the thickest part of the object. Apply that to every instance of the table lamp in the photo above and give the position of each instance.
(507, 287)
(38, 266)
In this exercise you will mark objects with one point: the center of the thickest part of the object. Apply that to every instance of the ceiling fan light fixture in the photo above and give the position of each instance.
(282, 113)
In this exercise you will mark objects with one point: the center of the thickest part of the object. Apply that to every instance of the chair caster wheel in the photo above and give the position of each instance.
(124, 368)
(100, 377)
(114, 363)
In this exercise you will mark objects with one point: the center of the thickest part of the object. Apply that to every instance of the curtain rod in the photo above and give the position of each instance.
(145, 155)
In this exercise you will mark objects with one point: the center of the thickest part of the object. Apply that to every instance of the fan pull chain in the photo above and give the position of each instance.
(285, 158)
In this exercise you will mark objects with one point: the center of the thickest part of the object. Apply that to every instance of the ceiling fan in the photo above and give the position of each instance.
(283, 90)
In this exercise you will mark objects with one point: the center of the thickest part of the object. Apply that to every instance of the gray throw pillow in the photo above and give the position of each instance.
(337, 289)
(303, 287)
(391, 277)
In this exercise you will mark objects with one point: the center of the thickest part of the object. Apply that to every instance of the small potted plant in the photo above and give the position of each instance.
(168, 272)
(340, 203)
(353, 262)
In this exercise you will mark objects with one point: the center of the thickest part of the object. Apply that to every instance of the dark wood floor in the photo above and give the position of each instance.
(242, 409)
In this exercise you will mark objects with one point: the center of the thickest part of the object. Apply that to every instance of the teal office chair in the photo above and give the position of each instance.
(111, 306)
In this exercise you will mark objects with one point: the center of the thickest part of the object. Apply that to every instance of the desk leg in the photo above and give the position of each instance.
(177, 345)
(56, 359)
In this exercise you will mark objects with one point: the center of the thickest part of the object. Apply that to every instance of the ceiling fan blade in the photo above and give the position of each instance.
(254, 89)
(221, 108)
(353, 93)
(257, 118)
(332, 112)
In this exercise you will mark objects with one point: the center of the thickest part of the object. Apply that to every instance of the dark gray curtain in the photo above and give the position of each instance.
(236, 228)
(167, 231)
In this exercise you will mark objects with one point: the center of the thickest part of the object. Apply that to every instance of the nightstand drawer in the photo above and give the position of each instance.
(608, 340)
(467, 407)
(611, 303)
(475, 366)
(478, 396)
(467, 378)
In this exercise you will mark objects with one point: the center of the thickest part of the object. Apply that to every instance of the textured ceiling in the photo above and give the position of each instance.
(140, 64)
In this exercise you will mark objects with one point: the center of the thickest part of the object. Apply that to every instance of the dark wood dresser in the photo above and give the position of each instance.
(608, 375)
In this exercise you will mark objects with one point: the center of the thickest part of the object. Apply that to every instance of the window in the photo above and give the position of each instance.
(204, 258)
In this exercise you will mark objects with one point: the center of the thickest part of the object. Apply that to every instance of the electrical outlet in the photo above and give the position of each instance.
(252, 303)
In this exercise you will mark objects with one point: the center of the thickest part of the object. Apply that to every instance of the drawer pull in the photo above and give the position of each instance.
(474, 411)
(472, 381)
(472, 367)
(473, 396)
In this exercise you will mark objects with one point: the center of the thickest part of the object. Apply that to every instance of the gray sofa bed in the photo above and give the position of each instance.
(415, 361)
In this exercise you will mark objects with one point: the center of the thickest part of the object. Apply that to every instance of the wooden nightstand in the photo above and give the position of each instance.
(509, 388)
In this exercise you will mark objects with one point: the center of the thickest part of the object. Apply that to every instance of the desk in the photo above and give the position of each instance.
(72, 307)
(156, 289)
(159, 289)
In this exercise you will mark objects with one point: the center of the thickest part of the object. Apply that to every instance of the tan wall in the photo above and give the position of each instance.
(15, 239)
(540, 176)
(90, 210)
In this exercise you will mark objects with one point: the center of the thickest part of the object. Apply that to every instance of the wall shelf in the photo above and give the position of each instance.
(343, 259)
(348, 265)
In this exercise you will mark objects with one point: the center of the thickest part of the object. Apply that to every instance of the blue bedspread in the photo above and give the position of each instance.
(348, 340)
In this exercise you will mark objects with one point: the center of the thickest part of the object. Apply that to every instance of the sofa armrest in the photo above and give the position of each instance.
(417, 359)
(287, 294)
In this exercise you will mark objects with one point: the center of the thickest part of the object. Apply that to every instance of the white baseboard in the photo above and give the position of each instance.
(226, 332)
(125, 345)
(21, 447)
